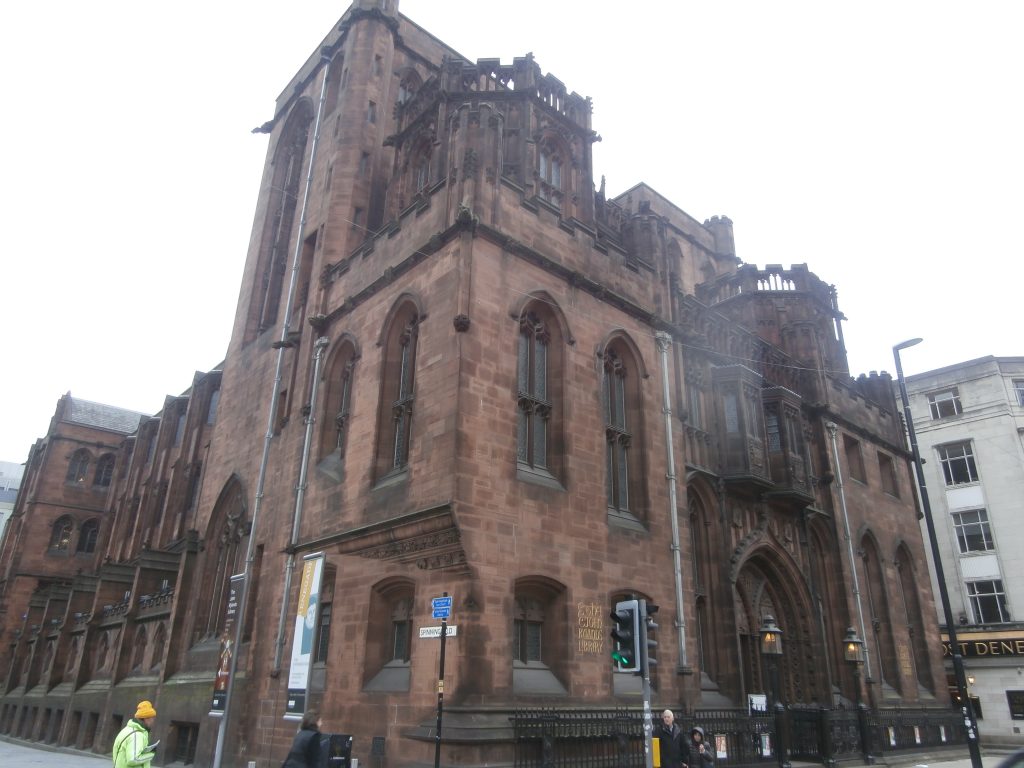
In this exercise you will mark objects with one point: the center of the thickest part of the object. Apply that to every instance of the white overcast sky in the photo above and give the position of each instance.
(879, 142)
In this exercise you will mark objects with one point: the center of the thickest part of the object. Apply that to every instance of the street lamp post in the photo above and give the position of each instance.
(771, 650)
(853, 652)
(970, 724)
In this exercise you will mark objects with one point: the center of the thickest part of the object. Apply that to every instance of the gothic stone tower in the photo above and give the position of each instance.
(456, 368)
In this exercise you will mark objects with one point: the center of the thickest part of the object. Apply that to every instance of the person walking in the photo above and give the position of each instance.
(670, 741)
(305, 751)
(698, 754)
(131, 745)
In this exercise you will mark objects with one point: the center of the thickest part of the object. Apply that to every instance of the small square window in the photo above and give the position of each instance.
(945, 403)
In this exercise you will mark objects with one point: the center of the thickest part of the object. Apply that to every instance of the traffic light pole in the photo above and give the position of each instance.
(645, 671)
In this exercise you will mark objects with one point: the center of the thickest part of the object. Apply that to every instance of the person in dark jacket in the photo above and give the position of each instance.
(305, 751)
(698, 753)
(670, 741)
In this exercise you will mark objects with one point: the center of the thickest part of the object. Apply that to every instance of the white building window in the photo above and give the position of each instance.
(945, 403)
(958, 466)
(1018, 388)
(988, 601)
(973, 531)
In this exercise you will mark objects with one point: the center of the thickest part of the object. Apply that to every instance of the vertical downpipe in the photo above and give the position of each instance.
(832, 429)
(282, 345)
(664, 342)
(300, 497)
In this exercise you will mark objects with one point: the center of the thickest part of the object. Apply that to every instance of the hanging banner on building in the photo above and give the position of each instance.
(227, 646)
(306, 607)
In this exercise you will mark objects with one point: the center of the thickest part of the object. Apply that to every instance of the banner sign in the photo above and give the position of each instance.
(227, 649)
(306, 609)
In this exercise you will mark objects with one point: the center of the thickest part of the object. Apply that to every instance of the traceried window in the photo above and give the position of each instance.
(771, 426)
(945, 403)
(534, 410)
(338, 402)
(988, 601)
(421, 172)
(397, 391)
(695, 411)
(87, 536)
(972, 531)
(323, 633)
(179, 427)
(78, 468)
(617, 434)
(104, 470)
(60, 535)
(551, 164)
(958, 465)
(277, 243)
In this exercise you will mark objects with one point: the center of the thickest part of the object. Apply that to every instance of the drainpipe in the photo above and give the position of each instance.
(664, 342)
(832, 429)
(282, 344)
(300, 496)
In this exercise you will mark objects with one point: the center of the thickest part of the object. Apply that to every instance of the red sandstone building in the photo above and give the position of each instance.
(457, 368)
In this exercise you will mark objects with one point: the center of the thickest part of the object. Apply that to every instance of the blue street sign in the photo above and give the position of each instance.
(441, 607)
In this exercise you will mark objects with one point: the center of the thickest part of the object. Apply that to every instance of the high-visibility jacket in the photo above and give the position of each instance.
(130, 746)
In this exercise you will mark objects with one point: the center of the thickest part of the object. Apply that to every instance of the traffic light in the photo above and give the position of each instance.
(626, 634)
(647, 628)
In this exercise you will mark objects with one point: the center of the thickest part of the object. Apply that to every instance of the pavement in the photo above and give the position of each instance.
(23, 754)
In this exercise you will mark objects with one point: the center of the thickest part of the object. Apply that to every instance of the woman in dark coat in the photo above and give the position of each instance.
(699, 753)
(305, 751)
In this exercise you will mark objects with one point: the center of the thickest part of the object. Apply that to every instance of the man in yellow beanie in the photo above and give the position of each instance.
(131, 746)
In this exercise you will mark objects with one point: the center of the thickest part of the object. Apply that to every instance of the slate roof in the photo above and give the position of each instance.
(103, 416)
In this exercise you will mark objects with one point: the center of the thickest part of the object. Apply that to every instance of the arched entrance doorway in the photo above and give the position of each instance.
(768, 583)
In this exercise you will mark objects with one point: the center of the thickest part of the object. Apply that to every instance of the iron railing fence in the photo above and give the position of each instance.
(552, 737)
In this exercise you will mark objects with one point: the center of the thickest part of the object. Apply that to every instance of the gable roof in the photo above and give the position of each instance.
(102, 416)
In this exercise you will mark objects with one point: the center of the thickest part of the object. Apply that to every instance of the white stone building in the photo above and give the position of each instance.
(969, 420)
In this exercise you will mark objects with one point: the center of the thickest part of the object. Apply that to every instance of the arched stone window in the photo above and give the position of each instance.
(551, 171)
(60, 534)
(394, 422)
(87, 536)
(276, 245)
(408, 86)
(72, 658)
(224, 555)
(78, 467)
(159, 644)
(539, 391)
(880, 631)
(104, 470)
(389, 636)
(138, 648)
(916, 627)
(334, 425)
(621, 405)
(539, 637)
